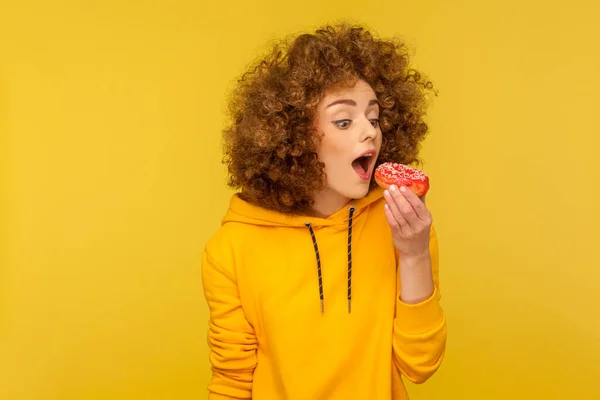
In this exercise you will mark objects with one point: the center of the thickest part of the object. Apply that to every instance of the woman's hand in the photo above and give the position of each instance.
(410, 221)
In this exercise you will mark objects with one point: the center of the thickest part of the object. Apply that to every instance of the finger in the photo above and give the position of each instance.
(418, 204)
(395, 210)
(392, 221)
(405, 207)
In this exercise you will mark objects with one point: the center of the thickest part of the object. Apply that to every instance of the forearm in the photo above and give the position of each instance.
(231, 339)
(415, 276)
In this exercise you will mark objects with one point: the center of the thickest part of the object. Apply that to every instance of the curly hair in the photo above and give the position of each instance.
(269, 146)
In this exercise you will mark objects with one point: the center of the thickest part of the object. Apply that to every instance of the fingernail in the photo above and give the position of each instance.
(393, 188)
(403, 189)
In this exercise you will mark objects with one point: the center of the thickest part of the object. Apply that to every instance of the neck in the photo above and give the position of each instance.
(327, 202)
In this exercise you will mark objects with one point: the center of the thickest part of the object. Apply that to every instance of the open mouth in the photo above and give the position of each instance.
(362, 165)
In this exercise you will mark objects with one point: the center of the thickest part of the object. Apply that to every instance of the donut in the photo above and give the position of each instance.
(389, 173)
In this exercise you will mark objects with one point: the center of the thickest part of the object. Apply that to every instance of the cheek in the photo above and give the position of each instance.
(329, 147)
(378, 142)
(333, 155)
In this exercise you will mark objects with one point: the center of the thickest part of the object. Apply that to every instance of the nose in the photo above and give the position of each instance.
(368, 131)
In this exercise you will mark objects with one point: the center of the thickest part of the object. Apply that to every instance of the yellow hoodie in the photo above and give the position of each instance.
(308, 308)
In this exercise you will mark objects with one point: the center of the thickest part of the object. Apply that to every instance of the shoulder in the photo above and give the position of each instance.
(222, 244)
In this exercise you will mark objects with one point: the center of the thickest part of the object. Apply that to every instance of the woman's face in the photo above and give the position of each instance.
(348, 119)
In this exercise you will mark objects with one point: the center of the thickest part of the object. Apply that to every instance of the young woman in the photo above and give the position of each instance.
(320, 285)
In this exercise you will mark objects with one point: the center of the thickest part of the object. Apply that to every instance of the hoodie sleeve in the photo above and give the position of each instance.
(231, 339)
(419, 340)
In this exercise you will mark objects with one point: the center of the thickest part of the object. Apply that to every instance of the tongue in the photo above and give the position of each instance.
(358, 167)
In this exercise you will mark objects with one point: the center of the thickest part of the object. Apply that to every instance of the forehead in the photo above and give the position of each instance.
(351, 90)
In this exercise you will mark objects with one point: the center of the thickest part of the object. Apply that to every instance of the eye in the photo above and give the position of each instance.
(343, 123)
(375, 122)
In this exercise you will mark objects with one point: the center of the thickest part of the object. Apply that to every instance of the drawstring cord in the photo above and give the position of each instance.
(319, 272)
(350, 211)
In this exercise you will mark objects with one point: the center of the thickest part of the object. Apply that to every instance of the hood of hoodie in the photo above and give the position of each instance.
(243, 212)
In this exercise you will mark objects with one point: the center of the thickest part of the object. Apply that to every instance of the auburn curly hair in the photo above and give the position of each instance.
(270, 145)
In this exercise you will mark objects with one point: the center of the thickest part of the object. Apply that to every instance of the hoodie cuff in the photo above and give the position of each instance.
(415, 319)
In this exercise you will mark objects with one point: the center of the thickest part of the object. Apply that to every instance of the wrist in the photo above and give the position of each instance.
(415, 258)
(415, 278)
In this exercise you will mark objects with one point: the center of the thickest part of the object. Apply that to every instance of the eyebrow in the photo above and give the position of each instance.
(352, 103)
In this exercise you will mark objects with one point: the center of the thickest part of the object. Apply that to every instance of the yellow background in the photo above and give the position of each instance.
(110, 117)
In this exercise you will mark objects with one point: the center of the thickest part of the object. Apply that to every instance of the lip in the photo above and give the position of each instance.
(373, 152)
